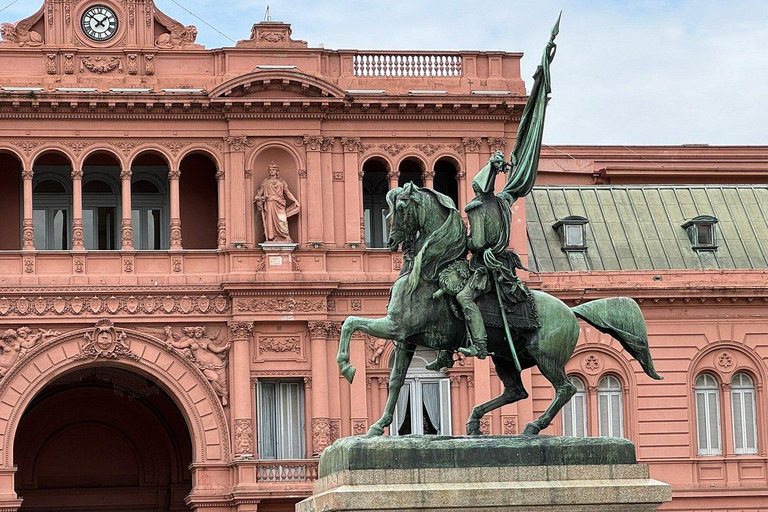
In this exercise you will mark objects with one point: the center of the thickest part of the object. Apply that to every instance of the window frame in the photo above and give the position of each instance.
(94, 201)
(51, 203)
(569, 409)
(708, 391)
(742, 424)
(145, 202)
(280, 445)
(608, 393)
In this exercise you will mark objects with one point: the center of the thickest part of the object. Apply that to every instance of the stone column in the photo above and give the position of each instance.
(222, 199)
(173, 178)
(127, 225)
(473, 164)
(314, 201)
(353, 190)
(77, 210)
(28, 223)
(326, 178)
(428, 177)
(241, 200)
(241, 400)
(318, 339)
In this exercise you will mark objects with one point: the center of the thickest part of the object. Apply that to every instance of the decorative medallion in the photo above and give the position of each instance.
(105, 341)
(725, 361)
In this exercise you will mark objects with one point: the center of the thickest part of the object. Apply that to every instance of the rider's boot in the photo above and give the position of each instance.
(478, 349)
(444, 360)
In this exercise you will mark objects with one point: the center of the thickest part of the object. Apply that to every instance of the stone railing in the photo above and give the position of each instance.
(404, 64)
(282, 471)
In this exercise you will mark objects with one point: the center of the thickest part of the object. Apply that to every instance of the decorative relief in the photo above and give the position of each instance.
(175, 147)
(78, 239)
(272, 37)
(471, 144)
(210, 357)
(485, 426)
(429, 149)
(126, 147)
(376, 347)
(21, 32)
(77, 148)
(29, 234)
(68, 12)
(397, 263)
(280, 305)
(328, 330)
(509, 425)
(317, 142)
(133, 62)
(338, 175)
(79, 265)
(238, 143)
(243, 436)
(131, 305)
(131, 13)
(393, 175)
(428, 174)
(106, 341)
(69, 63)
(356, 304)
(280, 344)
(149, 64)
(324, 432)
(15, 344)
(101, 64)
(50, 63)
(592, 364)
(393, 149)
(29, 265)
(359, 427)
(725, 361)
(302, 173)
(50, 14)
(27, 146)
(351, 144)
(128, 265)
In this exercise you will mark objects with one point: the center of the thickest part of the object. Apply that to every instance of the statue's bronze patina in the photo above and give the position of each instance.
(478, 306)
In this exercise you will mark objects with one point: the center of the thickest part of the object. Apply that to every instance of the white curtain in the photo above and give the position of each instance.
(430, 394)
(402, 404)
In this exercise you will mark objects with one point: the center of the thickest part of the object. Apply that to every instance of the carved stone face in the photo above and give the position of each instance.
(23, 332)
(6, 30)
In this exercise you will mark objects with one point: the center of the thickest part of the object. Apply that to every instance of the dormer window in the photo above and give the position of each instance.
(573, 232)
(702, 232)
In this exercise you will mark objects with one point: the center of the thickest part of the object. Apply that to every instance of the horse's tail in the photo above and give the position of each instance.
(622, 318)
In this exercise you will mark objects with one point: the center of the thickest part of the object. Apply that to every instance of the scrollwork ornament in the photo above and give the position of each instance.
(240, 330)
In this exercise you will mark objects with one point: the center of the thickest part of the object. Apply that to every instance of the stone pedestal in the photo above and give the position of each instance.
(279, 256)
(498, 473)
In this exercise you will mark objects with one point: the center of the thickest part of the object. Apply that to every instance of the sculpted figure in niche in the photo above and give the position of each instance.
(271, 200)
(205, 353)
(15, 343)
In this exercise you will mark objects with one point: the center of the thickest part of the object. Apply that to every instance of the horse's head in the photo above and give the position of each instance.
(403, 219)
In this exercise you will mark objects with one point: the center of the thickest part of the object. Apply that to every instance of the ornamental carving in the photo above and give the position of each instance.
(179, 36)
(351, 144)
(101, 64)
(149, 64)
(328, 330)
(240, 330)
(324, 432)
(356, 304)
(429, 149)
(50, 64)
(338, 176)
(27, 146)
(497, 143)
(133, 64)
(725, 361)
(77, 148)
(132, 305)
(126, 147)
(393, 149)
(15, 344)
(272, 37)
(471, 144)
(317, 142)
(280, 305)
(21, 32)
(280, 344)
(485, 426)
(205, 352)
(238, 143)
(509, 425)
(243, 436)
(359, 427)
(107, 342)
(175, 147)
(69, 63)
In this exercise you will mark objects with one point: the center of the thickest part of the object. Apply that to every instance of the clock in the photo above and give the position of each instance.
(99, 23)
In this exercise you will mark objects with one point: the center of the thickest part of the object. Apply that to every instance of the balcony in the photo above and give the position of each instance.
(275, 478)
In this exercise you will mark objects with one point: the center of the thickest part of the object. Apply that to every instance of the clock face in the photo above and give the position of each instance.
(99, 23)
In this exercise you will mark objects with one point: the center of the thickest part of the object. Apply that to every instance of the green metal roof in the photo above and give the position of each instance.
(639, 227)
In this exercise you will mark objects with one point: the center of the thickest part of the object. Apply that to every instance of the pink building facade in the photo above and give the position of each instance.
(156, 357)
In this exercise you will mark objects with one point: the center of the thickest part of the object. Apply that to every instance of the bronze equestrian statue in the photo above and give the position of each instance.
(478, 306)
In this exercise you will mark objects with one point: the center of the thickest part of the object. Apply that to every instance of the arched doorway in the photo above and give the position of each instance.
(103, 438)
(11, 201)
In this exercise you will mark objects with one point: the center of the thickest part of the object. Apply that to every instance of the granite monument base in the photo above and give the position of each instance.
(495, 473)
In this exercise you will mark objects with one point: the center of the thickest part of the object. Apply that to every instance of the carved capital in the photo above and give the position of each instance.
(317, 142)
(240, 330)
(393, 175)
(471, 144)
(238, 143)
(27, 174)
(174, 174)
(77, 174)
(126, 174)
(497, 143)
(351, 144)
(428, 175)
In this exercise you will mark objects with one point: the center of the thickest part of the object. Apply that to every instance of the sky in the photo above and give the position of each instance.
(626, 72)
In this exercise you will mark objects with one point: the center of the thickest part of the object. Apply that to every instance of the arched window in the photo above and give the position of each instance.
(52, 209)
(149, 211)
(446, 179)
(100, 213)
(575, 411)
(411, 169)
(609, 407)
(743, 405)
(424, 403)
(375, 188)
(708, 415)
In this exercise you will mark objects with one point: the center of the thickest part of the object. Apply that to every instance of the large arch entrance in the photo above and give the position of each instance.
(103, 438)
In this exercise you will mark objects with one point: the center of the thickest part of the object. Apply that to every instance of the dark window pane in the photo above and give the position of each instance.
(144, 187)
(40, 229)
(97, 187)
(704, 234)
(60, 230)
(50, 187)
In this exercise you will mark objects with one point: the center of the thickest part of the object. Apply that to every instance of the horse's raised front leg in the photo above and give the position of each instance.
(380, 327)
(403, 356)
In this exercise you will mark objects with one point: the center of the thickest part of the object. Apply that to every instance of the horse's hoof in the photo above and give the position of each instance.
(531, 429)
(375, 431)
(473, 428)
(348, 371)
